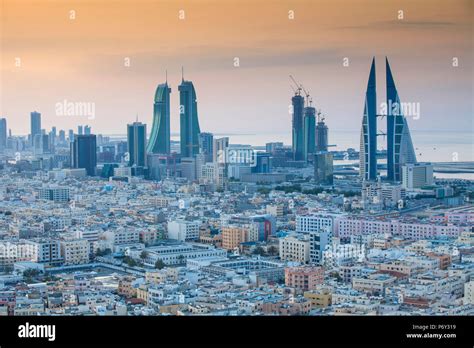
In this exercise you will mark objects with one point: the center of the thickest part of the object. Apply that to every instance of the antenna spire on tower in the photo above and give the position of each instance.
(166, 74)
(182, 73)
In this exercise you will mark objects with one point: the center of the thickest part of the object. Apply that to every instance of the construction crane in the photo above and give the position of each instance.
(294, 90)
(308, 99)
(321, 117)
(298, 87)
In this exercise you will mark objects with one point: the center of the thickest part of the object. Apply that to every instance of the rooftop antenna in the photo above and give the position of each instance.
(166, 74)
(182, 73)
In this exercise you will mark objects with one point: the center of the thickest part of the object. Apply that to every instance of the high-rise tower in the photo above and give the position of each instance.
(206, 145)
(321, 134)
(3, 134)
(84, 153)
(309, 131)
(298, 127)
(399, 144)
(189, 122)
(159, 141)
(368, 137)
(35, 122)
(136, 139)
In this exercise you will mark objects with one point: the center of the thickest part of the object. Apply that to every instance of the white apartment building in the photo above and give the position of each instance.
(11, 252)
(469, 292)
(43, 250)
(349, 226)
(177, 254)
(122, 236)
(294, 249)
(123, 171)
(183, 230)
(382, 193)
(92, 236)
(253, 232)
(75, 251)
(275, 209)
(417, 175)
(336, 254)
(208, 172)
(374, 283)
(318, 240)
(315, 223)
(54, 193)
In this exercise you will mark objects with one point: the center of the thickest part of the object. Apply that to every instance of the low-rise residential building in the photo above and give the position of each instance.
(304, 278)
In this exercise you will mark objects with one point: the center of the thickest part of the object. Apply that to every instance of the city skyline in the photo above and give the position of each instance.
(258, 86)
(238, 158)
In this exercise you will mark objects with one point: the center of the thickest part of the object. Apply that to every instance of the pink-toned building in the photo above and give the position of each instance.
(348, 226)
(304, 278)
(466, 217)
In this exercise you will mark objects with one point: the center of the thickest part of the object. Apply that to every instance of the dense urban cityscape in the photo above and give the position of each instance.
(95, 224)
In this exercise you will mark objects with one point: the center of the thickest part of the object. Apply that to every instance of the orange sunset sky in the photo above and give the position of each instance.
(82, 59)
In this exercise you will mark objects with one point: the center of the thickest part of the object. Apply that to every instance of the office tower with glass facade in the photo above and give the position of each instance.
(159, 141)
(309, 131)
(399, 144)
(219, 147)
(136, 140)
(368, 137)
(84, 153)
(323, 168)
(35, 122)
(263, 163)
(189, 122)
(206, 146)
(298, 127)
(272, 147)
(62, 136)
(3, 134)
(321, 136)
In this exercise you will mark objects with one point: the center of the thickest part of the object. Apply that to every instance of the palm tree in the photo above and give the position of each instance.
(272, 250)
(144, 255)
(258, 251)
(159, 264)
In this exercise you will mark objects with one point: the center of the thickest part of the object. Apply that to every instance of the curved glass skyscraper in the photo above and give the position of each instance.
(159, 141)
(189, 123)
(368, 137)
(399, 144)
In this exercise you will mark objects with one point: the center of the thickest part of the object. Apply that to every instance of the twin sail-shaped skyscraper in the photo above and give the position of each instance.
(399, 144)
(159, 142)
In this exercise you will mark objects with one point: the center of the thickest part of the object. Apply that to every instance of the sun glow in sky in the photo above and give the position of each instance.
(82, 59)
